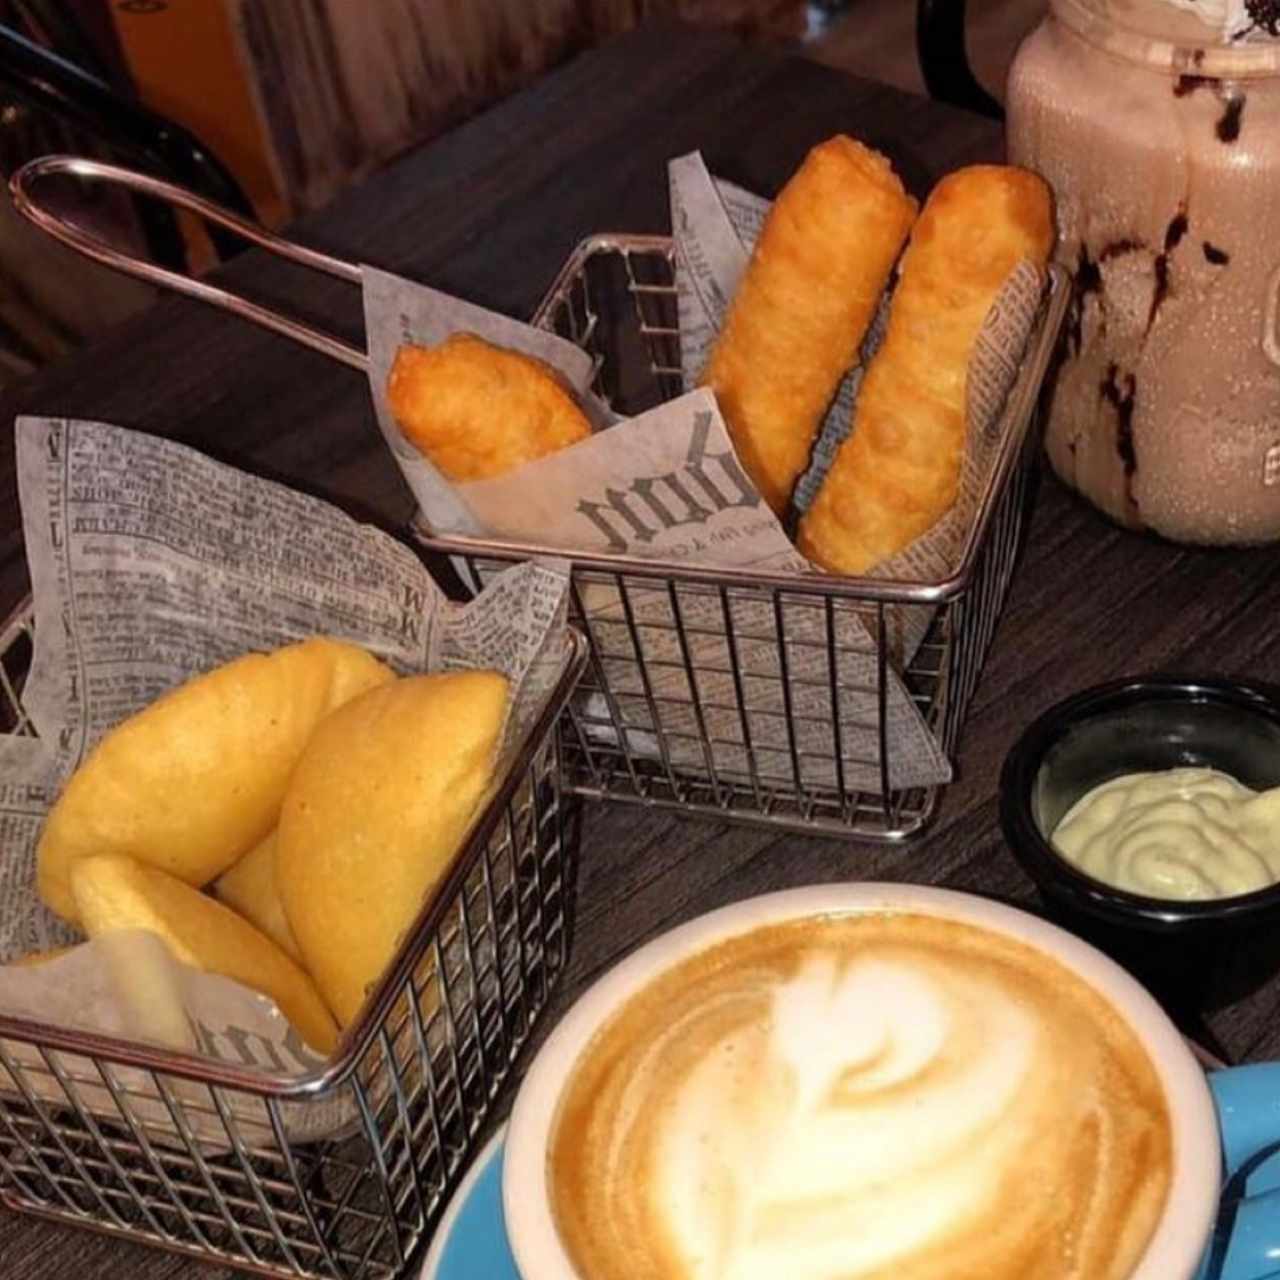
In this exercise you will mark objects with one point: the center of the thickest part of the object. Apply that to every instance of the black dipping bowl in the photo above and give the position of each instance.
(1191, 954)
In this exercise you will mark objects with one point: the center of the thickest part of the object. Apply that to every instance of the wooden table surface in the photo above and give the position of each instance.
(489, 212)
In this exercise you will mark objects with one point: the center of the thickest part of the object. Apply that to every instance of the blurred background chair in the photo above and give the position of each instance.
(52, 103)
(296, 98)
(50, 299)
(248, 112)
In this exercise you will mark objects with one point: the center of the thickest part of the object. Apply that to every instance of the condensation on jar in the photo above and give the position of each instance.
(1161, 139)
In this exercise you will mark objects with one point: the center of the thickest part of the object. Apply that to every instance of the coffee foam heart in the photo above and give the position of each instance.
(866, 1098)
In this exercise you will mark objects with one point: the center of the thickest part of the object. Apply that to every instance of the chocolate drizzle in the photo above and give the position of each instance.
(1088, 280)
(1176, 229)
(1187, 83)
(1088, 274)
(1088, 277)
(1120, 392)
(1160, 268)
(1218, 257)
(1227, 127)
(1173, 234)
(1118, 249)
(1160, 264)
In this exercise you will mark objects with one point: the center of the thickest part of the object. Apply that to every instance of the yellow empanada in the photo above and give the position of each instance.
(249, 888)
(118, 893)
(375, 813)
(192, 782)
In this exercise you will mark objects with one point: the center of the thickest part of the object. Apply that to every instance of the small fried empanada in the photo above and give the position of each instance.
(375, 814)
(192, 782)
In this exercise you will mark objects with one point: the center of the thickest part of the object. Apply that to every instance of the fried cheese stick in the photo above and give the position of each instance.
(899, 470)
(477, 410)
(804, 305)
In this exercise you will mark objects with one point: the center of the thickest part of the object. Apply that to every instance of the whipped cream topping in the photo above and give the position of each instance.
(1235, 20)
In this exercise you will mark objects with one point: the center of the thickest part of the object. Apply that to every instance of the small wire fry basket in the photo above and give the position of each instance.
(340, 1173)
(727, 692)
(756, 697)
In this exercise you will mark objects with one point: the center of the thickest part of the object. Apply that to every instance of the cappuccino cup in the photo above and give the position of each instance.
(864, 1080)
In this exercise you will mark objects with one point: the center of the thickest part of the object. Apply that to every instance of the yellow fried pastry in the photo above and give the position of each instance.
(807, 297)
(249, 888)
(899, 470)
(477, 410)
(374, 816)
(193, 781)
(119, 893)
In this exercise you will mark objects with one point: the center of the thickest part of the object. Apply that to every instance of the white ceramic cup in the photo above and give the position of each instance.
(1182, 1232)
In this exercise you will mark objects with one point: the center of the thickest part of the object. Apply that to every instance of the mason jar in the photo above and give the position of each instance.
(1157, 123)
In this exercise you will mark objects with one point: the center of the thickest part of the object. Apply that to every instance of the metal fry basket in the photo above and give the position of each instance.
(343, 1172)
(739, 695)
(756, 697)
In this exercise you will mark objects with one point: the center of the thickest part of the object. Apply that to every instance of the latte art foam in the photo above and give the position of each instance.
(862, 1096)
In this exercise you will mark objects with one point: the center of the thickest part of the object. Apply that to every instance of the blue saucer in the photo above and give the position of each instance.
(471, 1241)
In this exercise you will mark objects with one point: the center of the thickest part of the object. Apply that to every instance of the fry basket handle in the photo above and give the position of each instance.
(23, 182)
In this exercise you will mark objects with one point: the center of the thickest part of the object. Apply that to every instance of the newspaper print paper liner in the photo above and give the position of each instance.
(150, 563)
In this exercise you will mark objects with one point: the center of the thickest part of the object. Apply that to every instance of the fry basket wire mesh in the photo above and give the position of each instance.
(740, 695)
(341, 1173)
(745, 696)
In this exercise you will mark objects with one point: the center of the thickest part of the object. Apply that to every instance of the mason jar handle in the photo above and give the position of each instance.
(1245, 1244)
(22, 188)
(1248, 1102)
(1250, 1251)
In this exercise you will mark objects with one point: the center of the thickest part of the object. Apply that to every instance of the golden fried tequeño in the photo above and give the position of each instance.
(806, 300)
(898, 472)
(477, 410)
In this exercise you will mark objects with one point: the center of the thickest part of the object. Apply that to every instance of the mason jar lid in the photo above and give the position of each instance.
(1166, 35)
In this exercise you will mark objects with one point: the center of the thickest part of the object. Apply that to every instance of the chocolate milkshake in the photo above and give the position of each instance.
(1157, 122)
